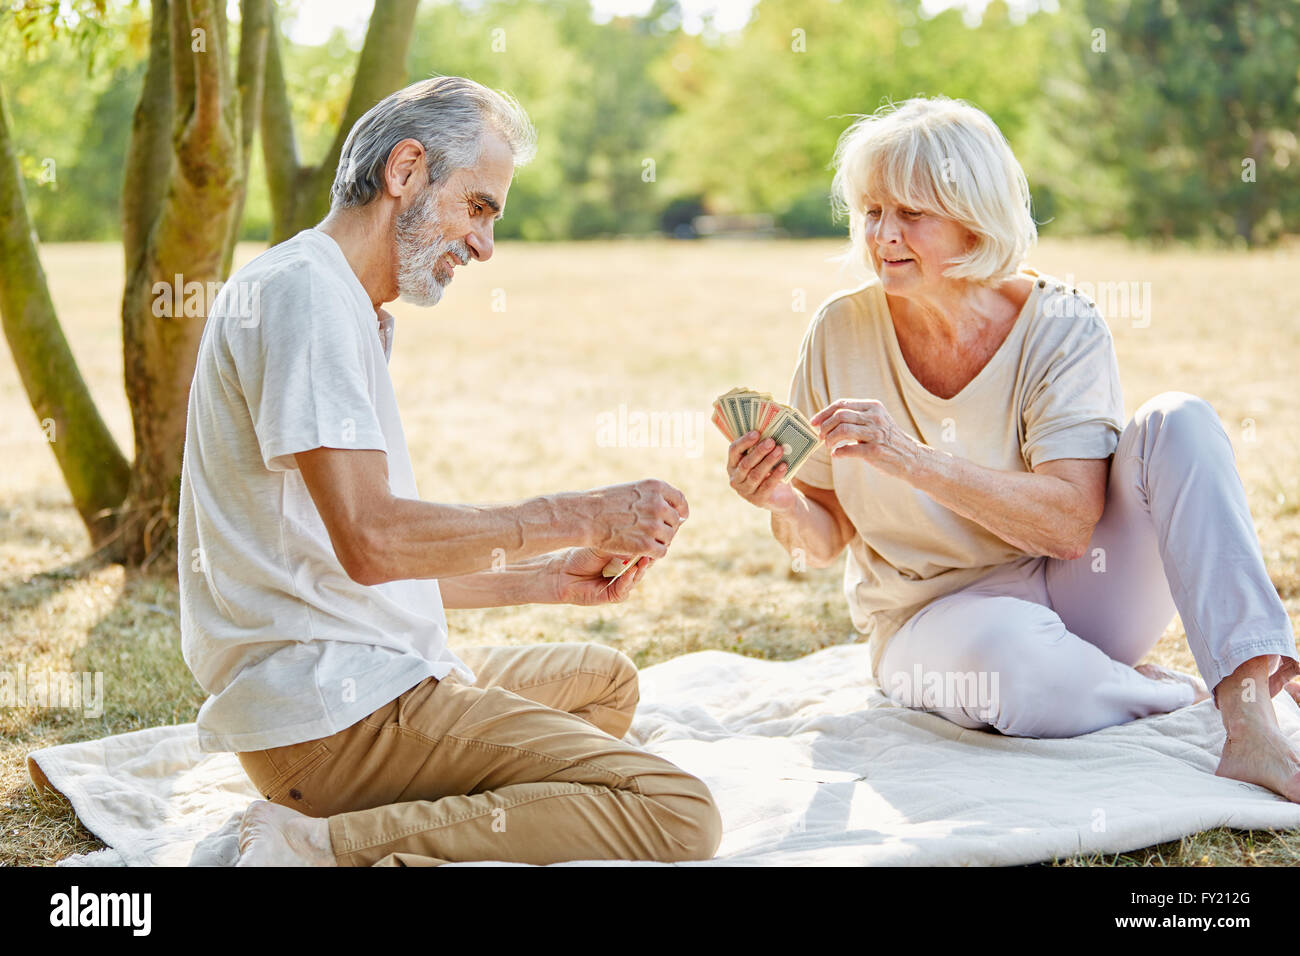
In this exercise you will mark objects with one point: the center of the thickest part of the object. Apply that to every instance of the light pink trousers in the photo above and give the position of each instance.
(1046, 650)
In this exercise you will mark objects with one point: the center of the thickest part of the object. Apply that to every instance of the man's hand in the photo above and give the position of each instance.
(636, 518)
(574, 577)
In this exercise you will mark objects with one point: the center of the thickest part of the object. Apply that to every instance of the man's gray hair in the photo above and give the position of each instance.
(448, 115)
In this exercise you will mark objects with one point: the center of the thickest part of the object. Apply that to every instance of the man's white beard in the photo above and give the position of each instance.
(416, 258)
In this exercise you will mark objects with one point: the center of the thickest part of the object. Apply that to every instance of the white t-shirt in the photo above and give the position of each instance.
(288, 646)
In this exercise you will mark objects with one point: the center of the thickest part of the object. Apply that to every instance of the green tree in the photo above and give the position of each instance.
(758, 118)
(1196, 104)
(185, 174)
(300, 191)
(588, 89)
(71, 104)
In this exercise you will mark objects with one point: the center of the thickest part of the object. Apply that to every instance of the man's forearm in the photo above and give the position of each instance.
(420, 539)
(508, 586)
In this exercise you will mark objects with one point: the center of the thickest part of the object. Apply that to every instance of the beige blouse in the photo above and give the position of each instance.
(1050, 391)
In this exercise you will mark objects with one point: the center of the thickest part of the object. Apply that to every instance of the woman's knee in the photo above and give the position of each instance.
(1179, 415)
(986, 653)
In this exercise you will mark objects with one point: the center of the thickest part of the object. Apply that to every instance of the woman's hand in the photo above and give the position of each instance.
(574, 577)
(862, 428)
(755, 468)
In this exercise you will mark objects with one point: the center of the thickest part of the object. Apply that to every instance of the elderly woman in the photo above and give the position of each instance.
(1014, 547)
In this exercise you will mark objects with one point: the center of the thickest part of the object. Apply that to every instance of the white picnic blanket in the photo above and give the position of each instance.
(810, 764)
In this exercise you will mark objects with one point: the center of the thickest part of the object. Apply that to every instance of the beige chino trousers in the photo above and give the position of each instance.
(524, 766)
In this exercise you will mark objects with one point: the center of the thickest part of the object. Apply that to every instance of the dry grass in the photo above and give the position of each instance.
(500, 405)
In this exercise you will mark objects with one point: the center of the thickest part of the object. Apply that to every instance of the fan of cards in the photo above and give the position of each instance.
(743, 410)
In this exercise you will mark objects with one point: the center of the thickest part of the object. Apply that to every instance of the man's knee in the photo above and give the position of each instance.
(690, 820)
(622, 693)
(623, 674)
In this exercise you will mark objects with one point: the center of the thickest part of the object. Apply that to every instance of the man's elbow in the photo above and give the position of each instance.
(363, 558)
(365, 574)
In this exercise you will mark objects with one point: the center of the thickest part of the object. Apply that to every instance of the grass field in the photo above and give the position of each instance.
(509, 387)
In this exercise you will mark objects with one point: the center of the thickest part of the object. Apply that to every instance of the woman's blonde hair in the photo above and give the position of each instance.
(943, 156)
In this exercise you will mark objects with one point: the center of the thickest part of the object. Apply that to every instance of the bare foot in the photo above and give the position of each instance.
(272, 835)
(1281, 677)
(1293, 688)
(1156, 672)
(1257, 751)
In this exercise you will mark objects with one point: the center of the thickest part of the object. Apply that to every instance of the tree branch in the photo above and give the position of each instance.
(381, 69)
(209, 69)
(149, 152)
(300, 193)
(253, 32)
(182, 67)
(279, 149)
(254, 28)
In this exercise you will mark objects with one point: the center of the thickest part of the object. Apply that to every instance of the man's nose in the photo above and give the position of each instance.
(480, 244)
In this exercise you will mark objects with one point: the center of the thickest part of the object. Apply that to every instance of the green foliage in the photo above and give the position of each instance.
(811, 215)
(30, 27)
(640, 122)
(1195, 104)
(72, 74)
(586, 87)
(758, 119)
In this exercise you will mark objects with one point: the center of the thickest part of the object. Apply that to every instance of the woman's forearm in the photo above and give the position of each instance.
(1051, 511)
(810, 528)
(1039, 514)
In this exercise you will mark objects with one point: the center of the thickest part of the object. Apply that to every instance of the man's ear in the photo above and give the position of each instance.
(405, 172)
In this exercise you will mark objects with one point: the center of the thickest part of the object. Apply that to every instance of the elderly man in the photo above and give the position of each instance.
(313, 578)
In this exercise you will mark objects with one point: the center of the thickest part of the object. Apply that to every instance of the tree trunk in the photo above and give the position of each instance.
(182, 198)
(300, 194)
(179, 229)
(91, 462)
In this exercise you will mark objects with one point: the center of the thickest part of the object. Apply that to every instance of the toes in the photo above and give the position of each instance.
(1291, 790)
(252, 824)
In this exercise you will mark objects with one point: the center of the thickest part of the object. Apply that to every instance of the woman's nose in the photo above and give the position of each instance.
(888, 229)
